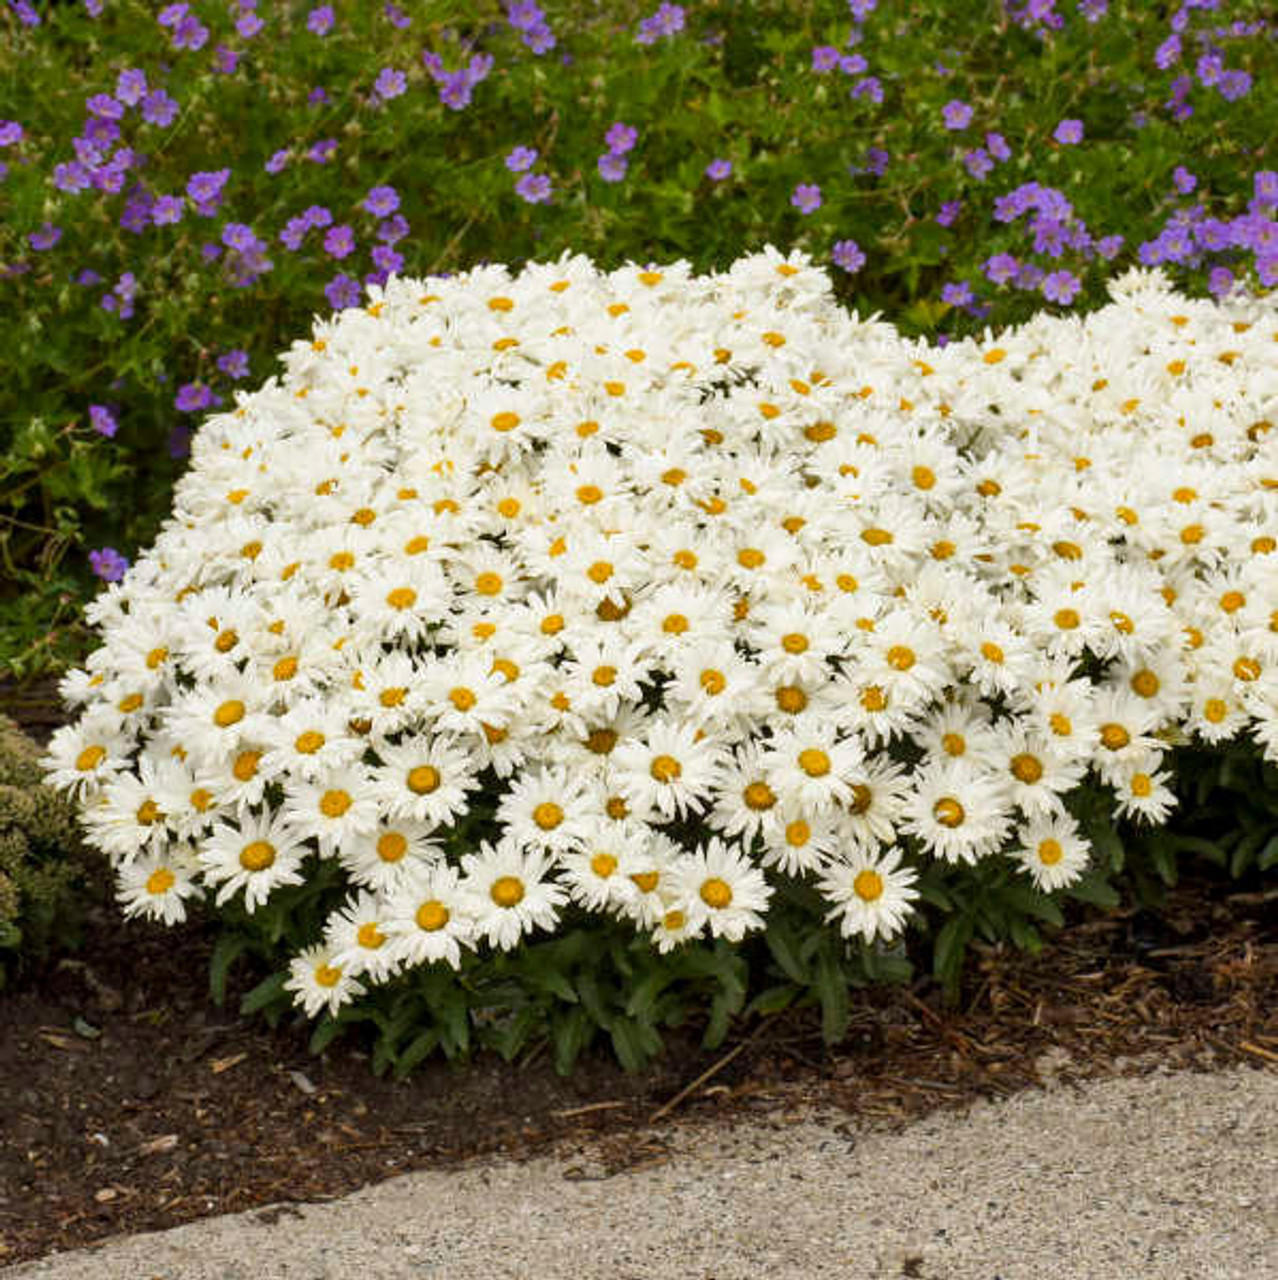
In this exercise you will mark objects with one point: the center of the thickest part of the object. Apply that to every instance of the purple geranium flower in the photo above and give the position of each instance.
(521, 158)
(667, 21)
(105, 106)
(612, 167)
(393, 229)
(339, 242)
(956, 114)
(848, 255)
(167, 210)
(342, 291)
(130, 86)
(235, 364)
(238, 235)
(978, 163)
(825, 57)
(108, 564)
(1001, 268)
(390, 83)
(806, 197)
(534, 188)
(717, 170)
(10, 132)
(159, 108)
(319, 21)
(621, 138)
(322, 151)
(206, 187)
(192, 397)
(47, 236)
(1068, 132)
(948, 212)
(997, 146)
(386, 258)
(1061, 286)
(957, 293)
(1184, 180)
(381, 201)
(1220, 281)
(103, 420)
(248, 24)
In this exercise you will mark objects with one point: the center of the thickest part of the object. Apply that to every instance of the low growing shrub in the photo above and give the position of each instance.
(42, 867)
(649, 609)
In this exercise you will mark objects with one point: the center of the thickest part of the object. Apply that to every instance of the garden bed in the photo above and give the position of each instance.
(133, 1104)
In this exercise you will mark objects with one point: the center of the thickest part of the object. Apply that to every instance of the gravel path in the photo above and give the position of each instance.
(1161, 1177)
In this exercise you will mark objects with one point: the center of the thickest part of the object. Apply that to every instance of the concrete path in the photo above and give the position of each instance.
(1163, 1177)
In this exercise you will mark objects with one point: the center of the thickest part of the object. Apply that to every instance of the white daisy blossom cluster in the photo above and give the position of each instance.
(636, 553)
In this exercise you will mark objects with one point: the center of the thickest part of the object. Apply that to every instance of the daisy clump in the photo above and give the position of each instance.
(690, 584)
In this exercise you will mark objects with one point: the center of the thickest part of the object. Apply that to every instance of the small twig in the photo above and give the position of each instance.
(592, 1106)
(708, 1072)
(1257, 1050)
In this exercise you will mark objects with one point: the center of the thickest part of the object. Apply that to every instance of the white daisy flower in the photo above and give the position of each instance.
(357, 940)
(156, 885)
(510, 893)
(1052, 851)
(424, 778)
(429, 918)
(870, 893)
(319, 984)
(258, 856)
(718, 887)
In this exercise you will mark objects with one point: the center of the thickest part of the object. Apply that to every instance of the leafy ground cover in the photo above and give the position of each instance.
(181, 188)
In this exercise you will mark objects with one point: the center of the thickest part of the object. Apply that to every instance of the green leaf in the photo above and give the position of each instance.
(419, 1047)
(228, 948)
(832, 991)
(266, 992)
(325, 1033)
(570, 1033)
(1095, 888)
(634, 1042)
(948, 952)
(1268, 855)
(781, 945)
(773, 999)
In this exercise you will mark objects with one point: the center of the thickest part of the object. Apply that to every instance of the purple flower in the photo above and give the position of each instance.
(104, 105)
(825, 57)
(393, 229)
(317, 215)
(806, 197)
(621, 138)
(1061, 286)
(1265, 187)
(1267, 270)
(876, 161)
(210, 252)
(978, 163)
(1168, 53)
(10, 132)
(108, 564)
(322, 151)
(45, 238)
(386, 258)
(248, 24)
(103, 420)
(238, 235)
(1220, 281)
(852, 64)
(205, 188)
(390, 83)
(381, 202)
(868, 88)
(317, 95)
(1209, 68)
(455, 90)
(159, 108)
(1234, 85)
(847, 254)
(26, 14)
(294, 233)
(534, 188)
(957, 294)
(339, 242)
(172, 14)
(396, 16)
(997, 146)
(167, 210)
(225, 60)
(278, 161)
(949, 211)
(192, 397)
(667, 21)
(521, 158)
(717, 170)
(319, 21)
(342, 291)
(956, 114)
(234, 364)
(1184, 180)
(1000, 268)
(612, 167)
(190, 34)
(130, 86)
(1068, 132)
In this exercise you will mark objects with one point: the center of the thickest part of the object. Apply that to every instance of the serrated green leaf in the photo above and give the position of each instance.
(226, 950)
(266, 992)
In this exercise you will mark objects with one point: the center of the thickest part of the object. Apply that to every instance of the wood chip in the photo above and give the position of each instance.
(218, 1065)
(155, 1146)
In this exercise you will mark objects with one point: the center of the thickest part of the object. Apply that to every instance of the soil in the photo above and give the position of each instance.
(132, 1103)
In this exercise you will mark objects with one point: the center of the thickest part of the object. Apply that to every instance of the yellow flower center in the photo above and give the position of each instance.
(665, 768)
(488, 584)
(646, 881)
(1050, 852)
(257, 855)
(308, 743)
(868, 885)
(1142, 784)
(991, 652)
(416, 545)
(1061, 724)
(953, 744)
(923, 477)
(333, 804)
(716, 893)
(552, 624)
(750, 558)
(673, 920)
(90, 758)
(503, 422)
(160, 881)
(548, 815)
(599, 572)
(794, 642)
(507, 891)
(391, 846)
(229, 713)
(1114, 736)
(862, 797)
(589, 494)
(603, 865)
(392, 697)
(873, 698)
(1247, 669)
(713, 682)
(341, 561)
(791, 699)
(876, 537)
(423, 779)
(432, 916)
(1027, 768)
(900, 657)
(401, 598)
(155, 657)
(245, 766)
(797, 833)
(326, 975)
(685, 559)
(601, 741)
(462, 698)
(948, 812)
(1215, 710)
(758, 795)
(814, 762)
(674, 624)
(604, 676)
(226, 640)
(1066, 619)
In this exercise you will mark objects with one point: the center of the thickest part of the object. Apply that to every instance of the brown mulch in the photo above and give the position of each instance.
(132, 1104)
(128, 1102)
